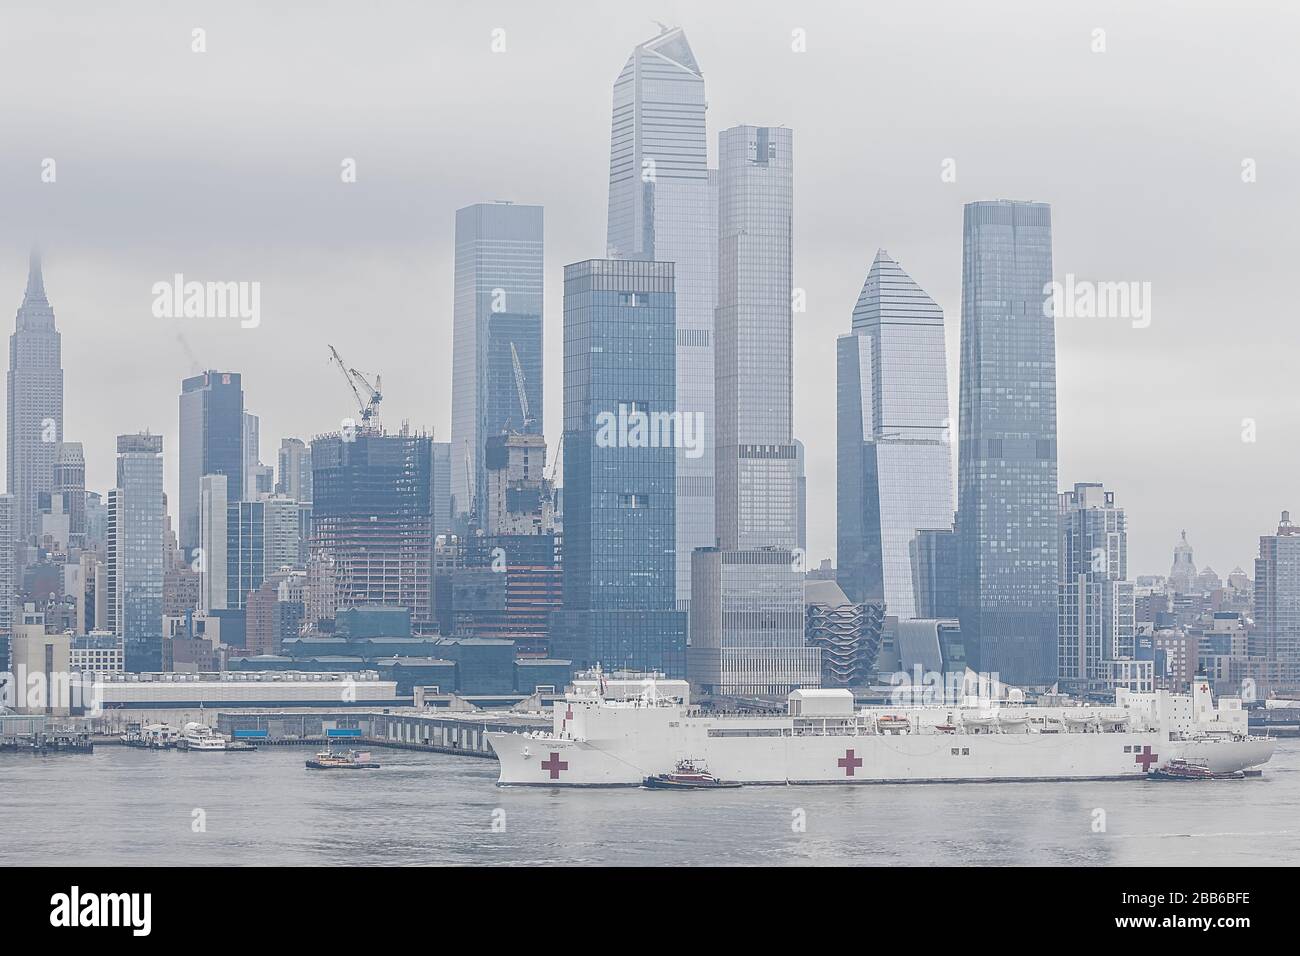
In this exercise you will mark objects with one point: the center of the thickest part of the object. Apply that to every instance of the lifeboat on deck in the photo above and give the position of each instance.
(893, 724)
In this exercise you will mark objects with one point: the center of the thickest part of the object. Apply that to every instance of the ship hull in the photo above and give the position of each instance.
(554, 761)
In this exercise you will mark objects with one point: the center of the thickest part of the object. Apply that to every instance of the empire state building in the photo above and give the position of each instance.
(35, 401)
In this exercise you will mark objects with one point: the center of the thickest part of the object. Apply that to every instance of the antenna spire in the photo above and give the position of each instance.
(35, 280)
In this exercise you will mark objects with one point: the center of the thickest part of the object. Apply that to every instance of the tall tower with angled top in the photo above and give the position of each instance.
(663, 205)
(35, 401)
(894, 459)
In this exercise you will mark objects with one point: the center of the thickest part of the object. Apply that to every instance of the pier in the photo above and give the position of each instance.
(49, 742)
(463, 734)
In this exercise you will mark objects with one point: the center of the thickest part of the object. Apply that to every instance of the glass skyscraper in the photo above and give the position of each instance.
(135, 550)
(619, 521)
(663, 205)
(211, 443)
(295, 469)
(1006, 495)
(747, 601)
(35, 406)
(894, 467)
(497, 315)
(757, 466)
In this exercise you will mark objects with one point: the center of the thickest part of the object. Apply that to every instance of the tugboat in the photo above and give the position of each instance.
(687, 775)
(342, 760)
(1179, 769)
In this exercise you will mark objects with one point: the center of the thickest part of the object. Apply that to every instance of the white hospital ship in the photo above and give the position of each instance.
(617, 733)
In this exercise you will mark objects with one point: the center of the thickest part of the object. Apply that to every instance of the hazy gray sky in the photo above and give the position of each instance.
(225, 166)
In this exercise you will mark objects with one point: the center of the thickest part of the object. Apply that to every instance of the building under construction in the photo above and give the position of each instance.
(372, 519)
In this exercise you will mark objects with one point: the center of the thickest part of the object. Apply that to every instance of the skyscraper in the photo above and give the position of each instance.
(211, 443)
(619, 549)
(757, 467)
(295, 469)
(135, 550)
(35, 420)
(663, 204)
(371, 520)
(894, 467)
(496, 322)
(252, 443)
(1096, 604)
(1006, 497)
(1275, 643)
(214, 510)
(747, 597)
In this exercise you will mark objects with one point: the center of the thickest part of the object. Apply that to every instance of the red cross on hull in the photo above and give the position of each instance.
(554, 765)
(1146, 758)
(849, 763)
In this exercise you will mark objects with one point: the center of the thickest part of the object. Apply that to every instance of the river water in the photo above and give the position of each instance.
(121, 806)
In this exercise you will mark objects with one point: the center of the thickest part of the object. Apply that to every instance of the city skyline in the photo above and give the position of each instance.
(100, 298)
(538, 409)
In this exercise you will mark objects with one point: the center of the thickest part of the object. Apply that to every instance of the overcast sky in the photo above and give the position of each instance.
(225, 166)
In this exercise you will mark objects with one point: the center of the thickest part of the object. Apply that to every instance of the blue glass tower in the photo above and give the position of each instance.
(135, 550)
(211, 443)
(1007, 496)
(663, 204)
(619, 520)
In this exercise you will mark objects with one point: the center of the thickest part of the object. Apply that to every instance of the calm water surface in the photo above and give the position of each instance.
(122, 806)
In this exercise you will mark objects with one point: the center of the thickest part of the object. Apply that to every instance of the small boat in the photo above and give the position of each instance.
(687, 775)
(200, 737)
(1179, 769)
(239, 747)
(946, 728)
(893, 724)
(342, 760)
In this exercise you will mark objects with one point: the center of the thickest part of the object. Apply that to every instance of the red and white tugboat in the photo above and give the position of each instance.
(1179, 769)
(687, 775)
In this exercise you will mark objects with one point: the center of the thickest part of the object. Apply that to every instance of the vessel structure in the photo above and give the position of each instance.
(343, 760)
(620, 733)
(687, 775)
(201, 738)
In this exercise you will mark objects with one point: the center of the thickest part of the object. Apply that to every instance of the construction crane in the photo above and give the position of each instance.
(369, 405)
(519, 387)
(469, 486)
(555, 462)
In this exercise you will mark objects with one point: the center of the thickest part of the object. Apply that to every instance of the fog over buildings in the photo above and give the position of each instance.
(225, 166)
